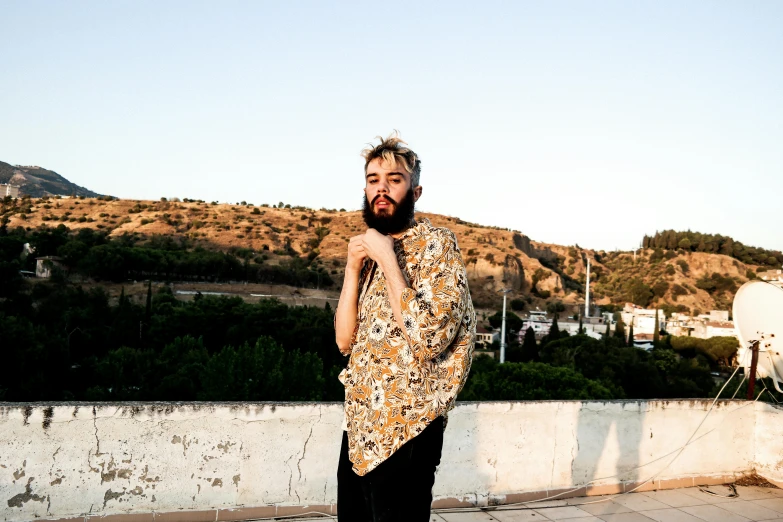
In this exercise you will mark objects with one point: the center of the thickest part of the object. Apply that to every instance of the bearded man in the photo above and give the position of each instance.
(406, 320)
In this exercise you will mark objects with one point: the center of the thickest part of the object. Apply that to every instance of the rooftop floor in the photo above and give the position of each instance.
(673, 505)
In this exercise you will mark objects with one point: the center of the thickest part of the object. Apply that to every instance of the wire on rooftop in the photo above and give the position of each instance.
(679, 451)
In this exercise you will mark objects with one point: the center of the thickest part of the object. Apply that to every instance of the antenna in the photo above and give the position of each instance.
(758, 320)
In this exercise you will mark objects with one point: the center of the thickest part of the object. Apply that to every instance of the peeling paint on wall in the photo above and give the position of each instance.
(138, 457)
(28, 495)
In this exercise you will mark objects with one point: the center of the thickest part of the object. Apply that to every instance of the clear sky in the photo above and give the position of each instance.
(573, 122)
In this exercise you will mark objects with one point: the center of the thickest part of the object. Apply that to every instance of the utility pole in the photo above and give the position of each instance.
(503, 331)
(754, 360)
(587, 290)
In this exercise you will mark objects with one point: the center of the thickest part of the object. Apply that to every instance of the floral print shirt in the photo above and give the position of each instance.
(394, 389)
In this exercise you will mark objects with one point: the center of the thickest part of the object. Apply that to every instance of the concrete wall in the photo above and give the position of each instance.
(230, 461)
(768, 460)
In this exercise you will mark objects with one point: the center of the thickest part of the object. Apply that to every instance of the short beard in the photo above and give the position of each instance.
(400, 219)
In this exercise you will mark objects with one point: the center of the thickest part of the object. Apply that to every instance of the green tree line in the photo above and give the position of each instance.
(714, 244)
(95, 255)
(63, 342)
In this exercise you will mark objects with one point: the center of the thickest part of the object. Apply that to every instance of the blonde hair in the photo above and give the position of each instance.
(393, 150)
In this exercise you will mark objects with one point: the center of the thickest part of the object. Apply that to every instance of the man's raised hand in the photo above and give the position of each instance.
(378, 247)
(356, 253)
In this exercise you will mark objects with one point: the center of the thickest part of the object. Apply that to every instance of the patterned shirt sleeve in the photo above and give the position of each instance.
(433, 310)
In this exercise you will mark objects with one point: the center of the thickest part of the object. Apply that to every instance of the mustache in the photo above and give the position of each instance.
(387, 198)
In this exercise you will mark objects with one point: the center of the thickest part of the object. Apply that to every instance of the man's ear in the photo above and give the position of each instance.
(416, 193)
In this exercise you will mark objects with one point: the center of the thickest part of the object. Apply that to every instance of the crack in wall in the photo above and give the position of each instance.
(97, 440)
(291, 477)
(304, 452)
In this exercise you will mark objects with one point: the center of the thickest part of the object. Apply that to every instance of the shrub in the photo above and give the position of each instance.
(656, 256)
(659, 289)
(518, 304)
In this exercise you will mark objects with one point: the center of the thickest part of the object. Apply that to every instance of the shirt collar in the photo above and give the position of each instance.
(420, 226)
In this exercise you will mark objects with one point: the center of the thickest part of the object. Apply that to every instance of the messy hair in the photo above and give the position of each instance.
(393, 150)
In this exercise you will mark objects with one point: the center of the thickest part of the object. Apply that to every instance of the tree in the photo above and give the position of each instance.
(608, 329)
(619, 329)
(529, 346)
(656, 332)
(489, 380)
(638, 292)
(513, 321)
(630, 335)
(581, 328)
(555, 307)
(518, 305)
(554, 330)
(148, 308)
(659, 289)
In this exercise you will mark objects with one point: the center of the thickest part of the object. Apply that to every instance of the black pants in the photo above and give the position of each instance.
(400, 488)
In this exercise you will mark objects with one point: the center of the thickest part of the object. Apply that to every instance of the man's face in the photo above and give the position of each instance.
(388, 197)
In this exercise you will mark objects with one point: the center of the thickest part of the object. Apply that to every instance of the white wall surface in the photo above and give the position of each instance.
(71, 459)
(769, 442)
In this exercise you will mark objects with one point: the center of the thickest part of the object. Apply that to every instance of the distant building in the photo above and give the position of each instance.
(714, 324)
(538, 321)
(680, 324)
(642, 319)
(594, 327)
(719, 329)
(45, 265)
(9, 190)
(772, 276)
(719, 315)
(486, 337)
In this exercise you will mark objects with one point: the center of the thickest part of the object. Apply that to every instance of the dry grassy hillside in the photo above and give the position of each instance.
(536, 272)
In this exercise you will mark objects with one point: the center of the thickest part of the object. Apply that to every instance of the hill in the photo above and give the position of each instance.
(539, 274)
(38, 182)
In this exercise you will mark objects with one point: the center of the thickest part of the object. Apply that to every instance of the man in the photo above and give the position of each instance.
(406, 319)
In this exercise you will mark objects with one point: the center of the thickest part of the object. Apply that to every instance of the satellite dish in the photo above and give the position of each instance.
(758, 317)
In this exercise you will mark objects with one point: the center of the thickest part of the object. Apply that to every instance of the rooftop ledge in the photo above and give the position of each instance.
(236, 461)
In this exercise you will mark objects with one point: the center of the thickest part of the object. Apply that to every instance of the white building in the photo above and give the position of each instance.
(9, 190)
(772, 276)
(719, 329)
(538, 321)
(642, 319)
(596, 330)
(45, 265)
(714, 324)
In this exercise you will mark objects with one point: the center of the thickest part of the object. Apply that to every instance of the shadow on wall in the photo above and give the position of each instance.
(461, 460)
(609, 437)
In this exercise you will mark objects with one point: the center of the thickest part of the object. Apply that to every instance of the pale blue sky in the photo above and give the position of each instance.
(573, 122)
